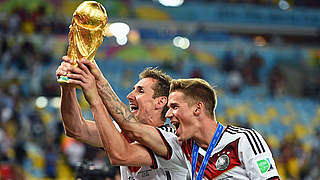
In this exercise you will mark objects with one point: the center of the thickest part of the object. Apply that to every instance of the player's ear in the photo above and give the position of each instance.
(198, 108)
(161, 102)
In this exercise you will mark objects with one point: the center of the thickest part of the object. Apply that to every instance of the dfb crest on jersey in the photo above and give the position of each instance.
(222, 162)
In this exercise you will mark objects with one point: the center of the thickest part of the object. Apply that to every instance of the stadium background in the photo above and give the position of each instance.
(263, 57)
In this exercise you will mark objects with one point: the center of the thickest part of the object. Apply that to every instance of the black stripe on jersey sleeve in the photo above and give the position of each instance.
(235, 131)
(168, 175)
(254, 137)
(274, 178)
(250, 133)
(167, 128)
(255, 133)
(154, 161)
(169, 148)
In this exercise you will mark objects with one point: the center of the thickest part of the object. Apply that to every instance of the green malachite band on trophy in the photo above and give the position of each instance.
(63, 79)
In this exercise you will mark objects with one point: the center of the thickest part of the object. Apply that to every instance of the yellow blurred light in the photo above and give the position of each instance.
(107, 31)
(185, 43)
(181, 42)
(134, 36)
(260, 41)
(177, 41)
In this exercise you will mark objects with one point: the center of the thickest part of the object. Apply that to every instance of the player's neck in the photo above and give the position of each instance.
(156, 122)
(206, 132)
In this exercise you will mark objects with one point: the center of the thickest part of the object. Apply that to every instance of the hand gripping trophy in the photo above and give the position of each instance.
(86, 33)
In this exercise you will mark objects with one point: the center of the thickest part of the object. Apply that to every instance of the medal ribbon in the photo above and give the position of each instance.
(195, 151)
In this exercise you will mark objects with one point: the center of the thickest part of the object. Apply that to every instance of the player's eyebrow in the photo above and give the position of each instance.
(172, 104)
(137, 88)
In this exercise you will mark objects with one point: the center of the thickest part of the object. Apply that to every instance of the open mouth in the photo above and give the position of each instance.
(175, 124)
(133, 108)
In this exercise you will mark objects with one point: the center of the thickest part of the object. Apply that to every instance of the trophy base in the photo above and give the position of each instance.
(64, 80)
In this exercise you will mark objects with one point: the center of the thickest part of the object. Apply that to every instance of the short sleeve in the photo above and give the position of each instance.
(257, 157)
(175, 157)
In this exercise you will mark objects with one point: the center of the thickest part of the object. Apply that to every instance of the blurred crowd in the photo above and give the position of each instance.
(33, 144)
(304, 3)
(32, 139)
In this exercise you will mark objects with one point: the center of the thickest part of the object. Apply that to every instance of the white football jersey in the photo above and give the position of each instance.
(239, 154)
(172, 167)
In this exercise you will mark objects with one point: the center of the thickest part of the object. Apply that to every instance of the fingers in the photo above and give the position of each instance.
(79, 79)
(67, 59)
(76, 82)
(61, 71)
(93, 67)
(83, 67)
(64, 67)
(88, 63)
(81, 73)
(76, 77)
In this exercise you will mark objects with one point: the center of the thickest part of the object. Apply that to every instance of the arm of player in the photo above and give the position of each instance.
(257, 157)
(119, 150)
(145, 134)
(74, 124)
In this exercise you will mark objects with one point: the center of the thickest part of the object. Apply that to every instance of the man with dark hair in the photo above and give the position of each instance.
(143, 120)
(161, 88)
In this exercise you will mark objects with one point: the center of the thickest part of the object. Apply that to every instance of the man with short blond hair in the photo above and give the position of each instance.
(215, 151)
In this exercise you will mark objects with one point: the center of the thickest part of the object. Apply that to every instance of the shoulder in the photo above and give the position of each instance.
(243, 132)
(167, 133)
(254, 153)
(166, 128)
(249, 138)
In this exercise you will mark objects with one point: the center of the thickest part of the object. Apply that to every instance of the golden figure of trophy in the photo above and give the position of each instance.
(86, 33)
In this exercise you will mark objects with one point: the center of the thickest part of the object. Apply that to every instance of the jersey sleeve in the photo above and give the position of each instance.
(175, 158)
(257, 157)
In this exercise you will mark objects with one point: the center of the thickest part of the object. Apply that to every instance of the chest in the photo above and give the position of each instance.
(221, 163)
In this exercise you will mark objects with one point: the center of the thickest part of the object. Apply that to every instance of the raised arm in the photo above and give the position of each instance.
(119, 150)
(145, 134)
(74, 123)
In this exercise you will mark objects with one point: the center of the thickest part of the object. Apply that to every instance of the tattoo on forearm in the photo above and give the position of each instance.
(114, 105)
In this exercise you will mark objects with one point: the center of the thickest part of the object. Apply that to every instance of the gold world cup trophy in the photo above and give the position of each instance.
(86, 33)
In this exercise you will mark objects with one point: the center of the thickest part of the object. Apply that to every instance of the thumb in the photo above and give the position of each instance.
(67, 59)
